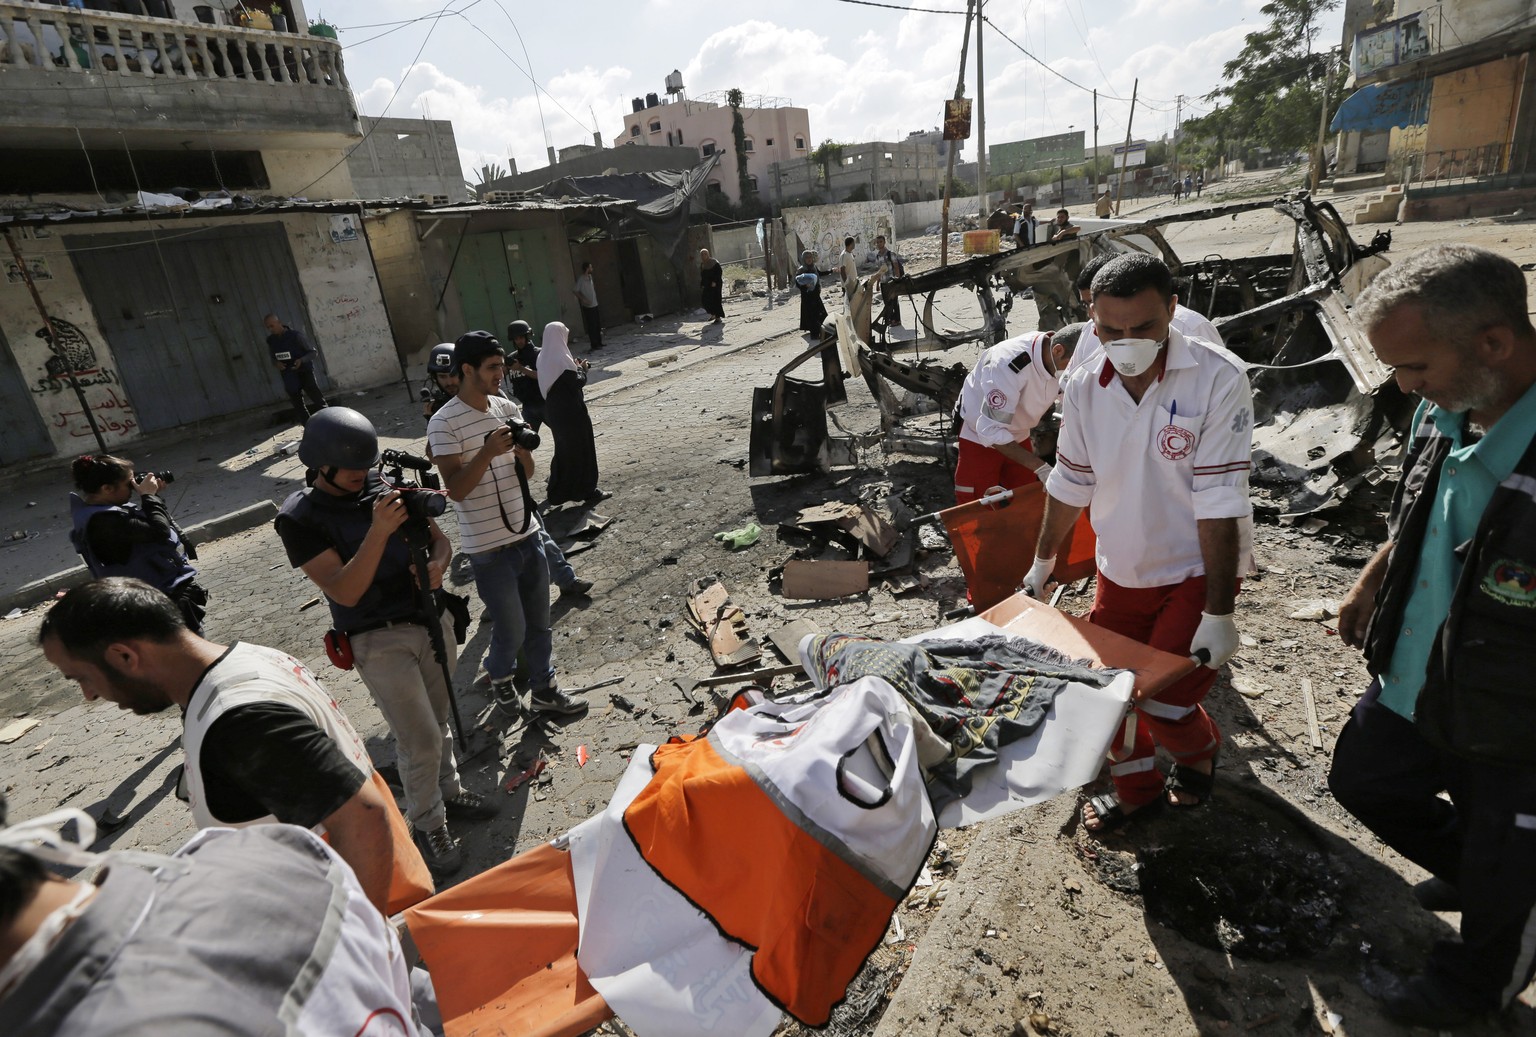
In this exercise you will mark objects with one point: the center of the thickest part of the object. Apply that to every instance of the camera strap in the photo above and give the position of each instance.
(522, 485)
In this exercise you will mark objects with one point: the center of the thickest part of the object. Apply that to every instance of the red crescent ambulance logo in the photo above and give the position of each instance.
(997, 399)
(1175, 443)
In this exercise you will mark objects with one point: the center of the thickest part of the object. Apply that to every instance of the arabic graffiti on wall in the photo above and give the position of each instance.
(71, 350)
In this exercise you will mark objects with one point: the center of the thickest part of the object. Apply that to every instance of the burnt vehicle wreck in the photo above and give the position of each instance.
(1326, 410)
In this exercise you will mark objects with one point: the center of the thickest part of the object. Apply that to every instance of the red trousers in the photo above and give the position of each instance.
(1165, 618)
(980, 468)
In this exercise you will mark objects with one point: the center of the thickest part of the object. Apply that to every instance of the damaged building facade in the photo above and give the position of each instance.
(156, 301)
(1441, 103)
(910, 170)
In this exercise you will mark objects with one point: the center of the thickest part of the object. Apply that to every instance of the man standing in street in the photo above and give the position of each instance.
(848, 268)
(295, 361)
(1105, 206)
(591, 317)
(1156, 440)
(1026, 229)
(1004, 397)
(264, 742)
(890, 268)
(1446, 613)
(348, 532)
(485, 471)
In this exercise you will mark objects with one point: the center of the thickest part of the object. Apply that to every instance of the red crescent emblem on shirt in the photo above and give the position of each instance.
(997, 399)
(1175, 443)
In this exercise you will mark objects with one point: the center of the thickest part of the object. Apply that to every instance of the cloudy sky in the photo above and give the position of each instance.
(864, 72)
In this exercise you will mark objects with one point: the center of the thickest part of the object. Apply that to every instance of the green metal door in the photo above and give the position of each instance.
(505, 276)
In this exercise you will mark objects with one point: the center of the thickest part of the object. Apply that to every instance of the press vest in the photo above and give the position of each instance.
(249, 675)
(345, 521)
(162, 565)
(1478, 699)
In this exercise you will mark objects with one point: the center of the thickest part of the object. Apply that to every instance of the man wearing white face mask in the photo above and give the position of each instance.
(1090, 349)
(1156, 439)
(1004, 397)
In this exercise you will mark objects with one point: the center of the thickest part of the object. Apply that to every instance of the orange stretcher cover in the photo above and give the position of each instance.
(409, 880)
(501, 948)
(995, 544)
(713, 834)
(1154, 669)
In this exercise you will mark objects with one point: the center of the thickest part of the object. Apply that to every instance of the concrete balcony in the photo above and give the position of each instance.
(72, 77)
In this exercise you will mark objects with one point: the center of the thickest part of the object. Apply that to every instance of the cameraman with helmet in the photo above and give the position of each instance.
(442, 383)
(523, 365)
(482, 448)
(118, 538)
(345, 531)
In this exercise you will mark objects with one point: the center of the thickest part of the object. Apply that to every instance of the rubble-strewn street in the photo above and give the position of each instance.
(1270, 911)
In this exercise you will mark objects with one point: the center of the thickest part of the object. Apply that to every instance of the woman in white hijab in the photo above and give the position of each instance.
(573, 472)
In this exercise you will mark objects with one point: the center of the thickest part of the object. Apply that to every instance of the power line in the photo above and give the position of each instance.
(898, 7)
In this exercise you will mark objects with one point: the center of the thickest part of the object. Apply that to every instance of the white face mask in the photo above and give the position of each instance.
(41, 942)
(1132, 356)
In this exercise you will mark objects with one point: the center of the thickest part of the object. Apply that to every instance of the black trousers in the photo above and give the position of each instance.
(300, 383)
(592, 321)
(1483, 842)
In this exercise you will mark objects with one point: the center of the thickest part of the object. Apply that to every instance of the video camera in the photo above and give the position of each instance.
(419, 506)
(139, 477)
(523, 434)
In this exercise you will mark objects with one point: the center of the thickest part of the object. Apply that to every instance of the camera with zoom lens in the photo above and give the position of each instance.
(139, 477)
(419, 506)
(523, 434)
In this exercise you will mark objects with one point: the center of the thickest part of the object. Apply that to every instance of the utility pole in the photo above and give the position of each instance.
(1178, 120)
(1126, 155)
(981, 118)
(1094, 165)
(949, 171)
(1320, 160)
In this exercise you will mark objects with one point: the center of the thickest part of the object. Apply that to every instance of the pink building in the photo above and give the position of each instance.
(775, 132)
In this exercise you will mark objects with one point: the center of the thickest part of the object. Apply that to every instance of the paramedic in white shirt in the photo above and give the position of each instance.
(1185, 320)
(1004, 397)
(1156, 439)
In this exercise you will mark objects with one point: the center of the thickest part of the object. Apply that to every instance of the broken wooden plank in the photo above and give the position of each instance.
(1312, 732)
(787, 638)
(15, 729)
(817, 581)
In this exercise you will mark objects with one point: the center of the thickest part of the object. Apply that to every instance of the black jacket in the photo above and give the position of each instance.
(1479, 696)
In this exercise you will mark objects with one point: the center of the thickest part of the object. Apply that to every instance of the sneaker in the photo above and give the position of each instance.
(470, 806)
(553, 701)
(504, 694)
(577, 588)
(439, 850)
(597, 497)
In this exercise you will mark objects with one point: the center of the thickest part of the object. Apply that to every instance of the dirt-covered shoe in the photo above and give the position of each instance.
(439, 850)
(504, 694)
(554, 702)
(577, 588)
(471, 806)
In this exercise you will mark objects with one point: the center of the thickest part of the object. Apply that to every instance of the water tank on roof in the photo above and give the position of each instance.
(651, 100)
(638, 103)
(675, 82)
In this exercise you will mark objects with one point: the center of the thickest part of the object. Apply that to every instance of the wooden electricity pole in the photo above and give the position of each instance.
(981, 118)
(949, 171)
(1126, 156)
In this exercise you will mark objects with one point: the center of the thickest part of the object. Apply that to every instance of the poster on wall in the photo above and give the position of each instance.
(343, 228)
(37, 266)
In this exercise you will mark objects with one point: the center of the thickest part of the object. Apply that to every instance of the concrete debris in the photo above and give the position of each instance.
(16, 729)
(817, 580)
(721, 622)
(1317, 610)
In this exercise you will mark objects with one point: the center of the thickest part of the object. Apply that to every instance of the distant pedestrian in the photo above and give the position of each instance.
(573, 471)
(848, 267)
(890, 267)
(813, 312)
(711, 286)
(294, 359)
(1177, 186)
(1026, 229)
(1199, 183)
(1189, 186)
(591, 318)
(1104, 206)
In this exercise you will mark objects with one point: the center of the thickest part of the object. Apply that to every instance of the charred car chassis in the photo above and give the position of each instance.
(1326, 409)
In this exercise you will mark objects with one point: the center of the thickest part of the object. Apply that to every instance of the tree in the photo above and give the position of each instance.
(827, 154)
(487, 173)
(1274, 87)
(739, 140)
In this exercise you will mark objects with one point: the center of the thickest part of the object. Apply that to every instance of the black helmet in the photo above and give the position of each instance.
(440, 360)
(519, 327)
(339, 437)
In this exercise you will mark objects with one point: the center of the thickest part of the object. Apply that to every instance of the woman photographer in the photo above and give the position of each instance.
(119, 538)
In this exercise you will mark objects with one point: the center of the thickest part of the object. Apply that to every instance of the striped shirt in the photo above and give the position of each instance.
(496, 502)
(1149, 471)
